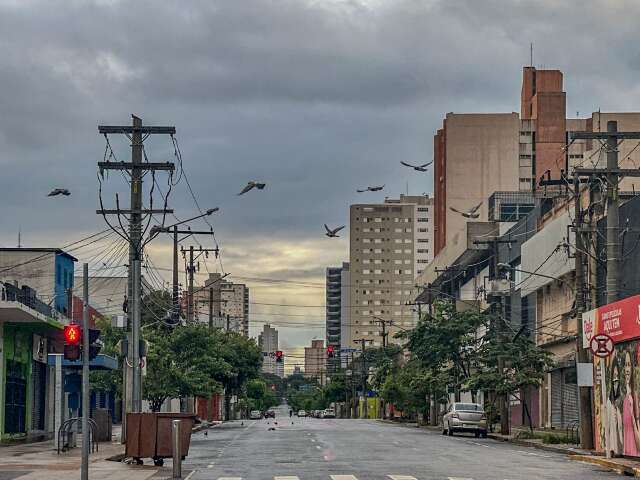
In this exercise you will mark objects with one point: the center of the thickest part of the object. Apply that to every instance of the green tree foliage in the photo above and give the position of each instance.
(259, 395)
(188, 360)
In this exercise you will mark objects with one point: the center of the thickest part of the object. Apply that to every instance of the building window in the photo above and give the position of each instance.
(423, 240)
(398, 230)
(423, 209)
(423, 250)
(408, 240)
(407, 262)
(397, 262)
(366, 261)
(407, 250)
(423, 260)
(398, 240)
(422, 219)
(377, 250)
(366, 240)
(407, 230)
(377, 240)
(377, 219)
(365, 272)
(397, 250)
(408, 272)
(365, 230)
(398, 272)
(423, 230)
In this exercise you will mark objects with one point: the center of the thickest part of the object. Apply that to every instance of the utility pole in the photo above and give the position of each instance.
(384, 324)
(612, 175)
(136, 169)
(363, 363)
(500, 325)
(582, 355)
(192, 267)
(86, 394)
(210, 308)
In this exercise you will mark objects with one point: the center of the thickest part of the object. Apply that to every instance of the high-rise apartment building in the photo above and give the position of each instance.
(268, 343)
(315, 361)
(230, 303)
(333, 302)
(390, 244)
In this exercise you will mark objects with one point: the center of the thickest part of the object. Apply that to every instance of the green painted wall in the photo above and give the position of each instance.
(17, 346)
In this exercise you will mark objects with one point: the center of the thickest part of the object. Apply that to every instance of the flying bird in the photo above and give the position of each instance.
(417, 168)
(251, 186)
(59, 191)
(332, 233)
(472, 213)
(371, 189)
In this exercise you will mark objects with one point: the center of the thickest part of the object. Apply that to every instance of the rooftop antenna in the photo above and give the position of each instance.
(19, 238)
(407, 188)
(531, 54)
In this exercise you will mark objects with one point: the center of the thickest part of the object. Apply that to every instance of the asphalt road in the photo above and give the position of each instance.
(310, 449)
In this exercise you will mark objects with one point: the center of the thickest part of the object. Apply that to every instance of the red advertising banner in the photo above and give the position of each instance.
(619, 320)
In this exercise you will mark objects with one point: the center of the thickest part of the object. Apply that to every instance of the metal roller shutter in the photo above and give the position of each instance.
(556, 398)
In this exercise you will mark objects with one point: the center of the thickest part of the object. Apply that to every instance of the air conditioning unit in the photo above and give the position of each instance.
(501, 286)
(118, 321)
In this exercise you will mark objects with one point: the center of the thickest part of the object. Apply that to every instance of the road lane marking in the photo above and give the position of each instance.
(286, 478)
(401, 477)
(343, 477)
(460, 478)
(230, 478)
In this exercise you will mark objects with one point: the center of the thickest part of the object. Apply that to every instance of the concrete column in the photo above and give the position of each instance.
(58, 397)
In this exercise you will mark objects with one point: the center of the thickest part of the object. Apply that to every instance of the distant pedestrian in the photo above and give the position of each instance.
(290, 413)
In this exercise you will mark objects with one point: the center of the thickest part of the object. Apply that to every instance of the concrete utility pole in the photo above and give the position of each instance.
(612, 176)
(582, 355)
(192, 267)
(210, 308)
(384, 324)
(86, 394)
(363, 363)
(136, 168)
(500, 326)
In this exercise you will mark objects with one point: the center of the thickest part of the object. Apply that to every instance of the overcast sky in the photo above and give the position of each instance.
(316, 98)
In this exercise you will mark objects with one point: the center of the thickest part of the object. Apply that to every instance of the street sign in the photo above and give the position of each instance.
(601, 345)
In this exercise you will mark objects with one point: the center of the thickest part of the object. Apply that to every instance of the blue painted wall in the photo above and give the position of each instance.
(64, 266)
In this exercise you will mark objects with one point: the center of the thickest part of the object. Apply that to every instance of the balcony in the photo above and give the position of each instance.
(20, 305)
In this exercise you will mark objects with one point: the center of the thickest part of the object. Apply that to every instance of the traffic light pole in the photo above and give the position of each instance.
(84, 471)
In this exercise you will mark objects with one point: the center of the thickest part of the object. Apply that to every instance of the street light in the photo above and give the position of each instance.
(156, 229)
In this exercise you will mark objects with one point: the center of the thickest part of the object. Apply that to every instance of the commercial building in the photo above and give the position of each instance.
(229, 304)
(315, 365)
(268, 343)
(390, 243)
(47, 271)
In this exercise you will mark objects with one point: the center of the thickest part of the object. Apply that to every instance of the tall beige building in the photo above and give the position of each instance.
(390, 244)
(315, 364)
(230, 304)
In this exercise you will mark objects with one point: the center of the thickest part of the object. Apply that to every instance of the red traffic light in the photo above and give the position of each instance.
(279, 355)
(72, 334)
(330, 349)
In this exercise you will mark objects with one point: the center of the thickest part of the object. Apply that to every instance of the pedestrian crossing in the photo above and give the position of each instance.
(348, 477)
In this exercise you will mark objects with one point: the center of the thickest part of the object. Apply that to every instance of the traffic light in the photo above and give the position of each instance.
(279, 356)
(330, 353)
(72, 336)
(73, 342)
(94, 344)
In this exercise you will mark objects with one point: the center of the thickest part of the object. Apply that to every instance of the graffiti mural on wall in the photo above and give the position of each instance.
(617, 400)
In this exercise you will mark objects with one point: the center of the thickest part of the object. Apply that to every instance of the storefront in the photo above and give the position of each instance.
(616, 378)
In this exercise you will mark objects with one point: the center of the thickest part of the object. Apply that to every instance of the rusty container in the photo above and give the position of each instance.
(149, 435)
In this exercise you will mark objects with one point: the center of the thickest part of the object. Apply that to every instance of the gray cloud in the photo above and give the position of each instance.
(315, 98)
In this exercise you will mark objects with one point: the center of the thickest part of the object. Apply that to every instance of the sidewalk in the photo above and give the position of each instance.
(29, 462)
(623, 466)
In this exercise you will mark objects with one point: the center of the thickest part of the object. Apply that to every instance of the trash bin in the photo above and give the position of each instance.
(149, 435)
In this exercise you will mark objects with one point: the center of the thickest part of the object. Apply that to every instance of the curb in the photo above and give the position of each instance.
(539, 446)
(610, 464)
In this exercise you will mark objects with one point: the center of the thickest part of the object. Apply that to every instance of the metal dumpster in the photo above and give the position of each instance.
(149, 435)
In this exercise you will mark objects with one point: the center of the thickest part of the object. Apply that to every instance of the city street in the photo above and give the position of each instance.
(312, 448)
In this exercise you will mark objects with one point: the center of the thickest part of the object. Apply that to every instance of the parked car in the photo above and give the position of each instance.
(465, 417)
(302, 413)
(329, 413)
(255, 415)
(270, 413)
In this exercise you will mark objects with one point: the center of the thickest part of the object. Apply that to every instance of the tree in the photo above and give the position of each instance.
(525, 365)
(109, 380)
